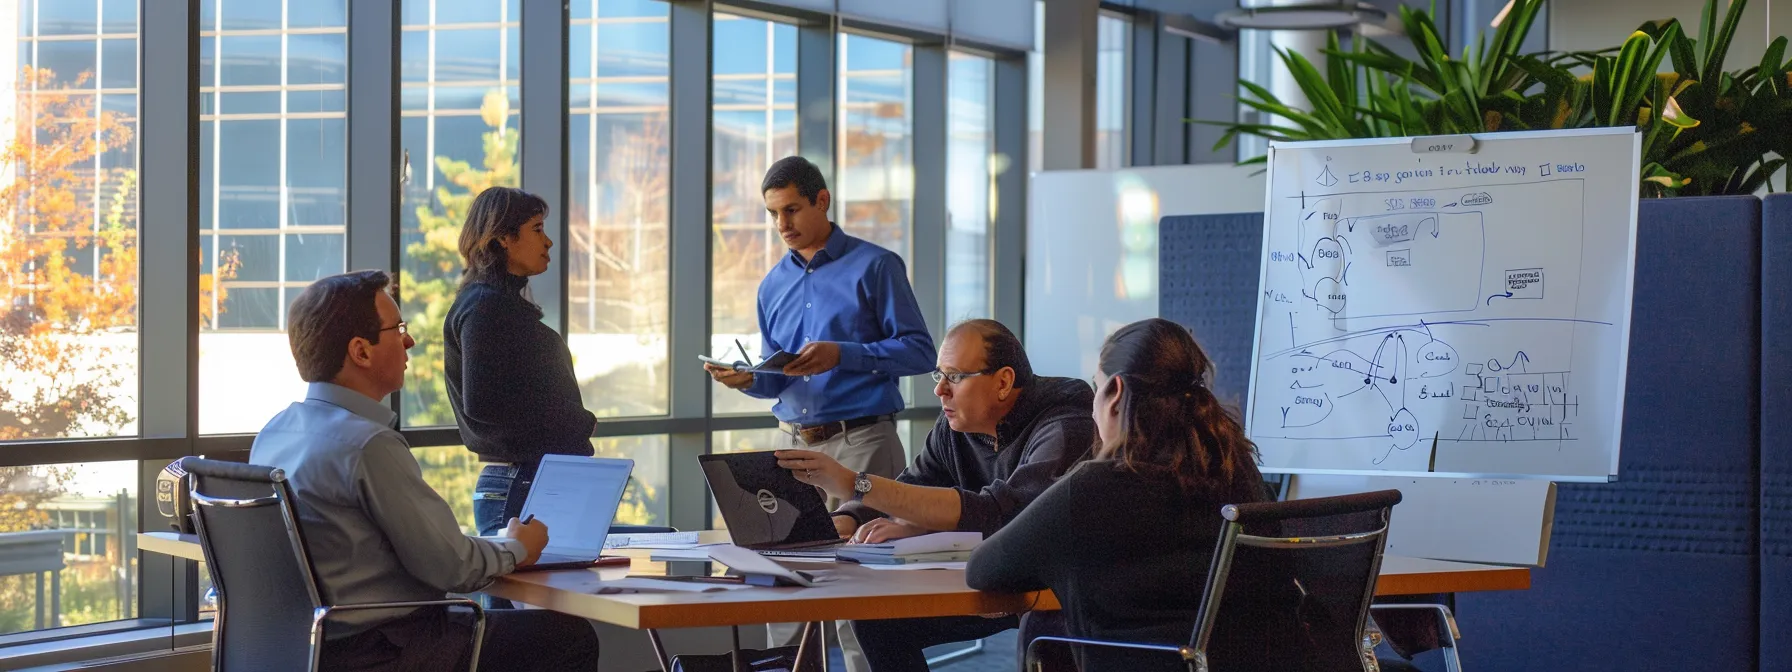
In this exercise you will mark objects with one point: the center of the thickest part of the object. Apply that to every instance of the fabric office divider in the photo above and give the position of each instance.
(1659, 571)
(1776, 434)
(1209, 270)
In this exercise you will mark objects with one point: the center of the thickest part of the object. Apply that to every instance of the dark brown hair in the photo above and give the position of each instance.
(497, 213)
(330, 313)
(1170, 419)
(795, 170)
(1000, 348)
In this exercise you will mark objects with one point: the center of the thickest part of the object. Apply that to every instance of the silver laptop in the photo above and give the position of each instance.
(577, 498)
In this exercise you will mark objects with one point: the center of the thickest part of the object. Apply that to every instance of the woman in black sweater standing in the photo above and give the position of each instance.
(1124, 540)
(510, 377)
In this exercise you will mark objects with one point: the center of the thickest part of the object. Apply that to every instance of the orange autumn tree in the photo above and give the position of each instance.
(68, 263)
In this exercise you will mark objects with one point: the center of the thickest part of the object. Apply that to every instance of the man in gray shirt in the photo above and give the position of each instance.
(376, 531)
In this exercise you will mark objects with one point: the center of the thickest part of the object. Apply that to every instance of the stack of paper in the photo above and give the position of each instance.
(936, 547)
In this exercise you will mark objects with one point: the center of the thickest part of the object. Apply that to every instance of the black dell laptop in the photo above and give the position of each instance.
(766, 508)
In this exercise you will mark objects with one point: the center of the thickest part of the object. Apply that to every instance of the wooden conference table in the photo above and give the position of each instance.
(857, 593)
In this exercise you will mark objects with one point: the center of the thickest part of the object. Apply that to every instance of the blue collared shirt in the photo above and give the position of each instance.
(376, 531)
(853, 293)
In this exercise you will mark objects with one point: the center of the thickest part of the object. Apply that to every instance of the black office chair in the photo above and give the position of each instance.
(1299, 587)
(270, 608)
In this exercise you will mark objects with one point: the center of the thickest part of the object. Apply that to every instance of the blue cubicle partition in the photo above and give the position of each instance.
(1659, 570)
(1776, 434)
(1209, 267)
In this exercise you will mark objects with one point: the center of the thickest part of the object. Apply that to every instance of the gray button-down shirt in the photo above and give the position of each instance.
(376, 531)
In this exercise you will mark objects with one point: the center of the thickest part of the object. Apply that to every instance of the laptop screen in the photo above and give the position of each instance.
(577, 497)
(763, 504)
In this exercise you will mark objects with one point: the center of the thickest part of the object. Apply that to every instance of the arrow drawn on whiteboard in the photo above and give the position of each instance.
(1506, 295)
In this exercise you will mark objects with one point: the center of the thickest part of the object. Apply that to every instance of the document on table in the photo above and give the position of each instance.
(652, 540)
(915, 566)
(648, 585)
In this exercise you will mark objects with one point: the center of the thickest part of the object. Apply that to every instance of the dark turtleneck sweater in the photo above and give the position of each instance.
(510, 377)
(1048, 430)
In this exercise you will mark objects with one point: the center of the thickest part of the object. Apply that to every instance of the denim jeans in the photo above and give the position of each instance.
(491, 498)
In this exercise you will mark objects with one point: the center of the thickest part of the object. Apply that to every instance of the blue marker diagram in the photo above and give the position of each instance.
(1393, 324)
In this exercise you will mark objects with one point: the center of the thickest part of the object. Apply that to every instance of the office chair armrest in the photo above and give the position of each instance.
(1193, 658)
(318, 615)
(1447, 631)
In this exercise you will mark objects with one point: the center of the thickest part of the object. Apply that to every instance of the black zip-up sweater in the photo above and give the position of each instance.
(510, 377)
(1048, 430)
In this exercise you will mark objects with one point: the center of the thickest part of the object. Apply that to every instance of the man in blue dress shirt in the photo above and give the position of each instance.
(844, 306)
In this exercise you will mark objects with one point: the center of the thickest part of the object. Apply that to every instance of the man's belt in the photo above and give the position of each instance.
(813, 434)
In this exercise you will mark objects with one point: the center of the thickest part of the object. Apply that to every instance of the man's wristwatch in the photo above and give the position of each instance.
(861, 484)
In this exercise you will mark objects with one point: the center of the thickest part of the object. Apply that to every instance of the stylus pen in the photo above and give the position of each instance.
(743, 352)
(528, 519)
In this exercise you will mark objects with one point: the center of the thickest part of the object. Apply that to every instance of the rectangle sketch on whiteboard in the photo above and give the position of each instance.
(1404, 325)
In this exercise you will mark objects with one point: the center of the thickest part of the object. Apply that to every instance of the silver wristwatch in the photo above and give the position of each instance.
(861, 484)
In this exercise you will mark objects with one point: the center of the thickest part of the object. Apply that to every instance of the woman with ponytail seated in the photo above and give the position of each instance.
(1124, 540)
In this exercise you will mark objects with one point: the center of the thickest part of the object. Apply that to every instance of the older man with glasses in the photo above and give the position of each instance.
(1003, 437)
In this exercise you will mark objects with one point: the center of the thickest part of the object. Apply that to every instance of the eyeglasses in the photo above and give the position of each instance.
(955, 377)
(402, 327)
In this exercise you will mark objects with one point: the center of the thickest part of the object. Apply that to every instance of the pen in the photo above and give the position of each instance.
(743, 352)
(528, 519)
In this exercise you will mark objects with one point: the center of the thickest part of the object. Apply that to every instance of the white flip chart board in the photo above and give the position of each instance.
(1431, 310)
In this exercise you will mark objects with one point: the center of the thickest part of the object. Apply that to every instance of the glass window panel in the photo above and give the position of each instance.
(316, 13)
(616, 226)
(251, 308)
(469, 11)
(748, 137)
(741, 46)
(578, 96)
(875, 190)
(435, 202)
(969, 145)
(612, 9)
(253, 102)
(208, 16)
(69, 17)
(249, 60)
(316, 101)
(71, 367)
(310, 256)
(208, 65)
(317, 59)
(414, 59)
(118, 64)
(248, 174)
(467, 55)
(632, 94)
(578, 52)
(69, 60)
(88, 511)
(271, 174)
(258, 256)
(1113, 49)
(415, 12)
(250, 14)
(632, 49)
(119, 16)
(317, 172)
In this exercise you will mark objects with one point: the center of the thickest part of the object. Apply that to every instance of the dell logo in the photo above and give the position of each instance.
(767, 501)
